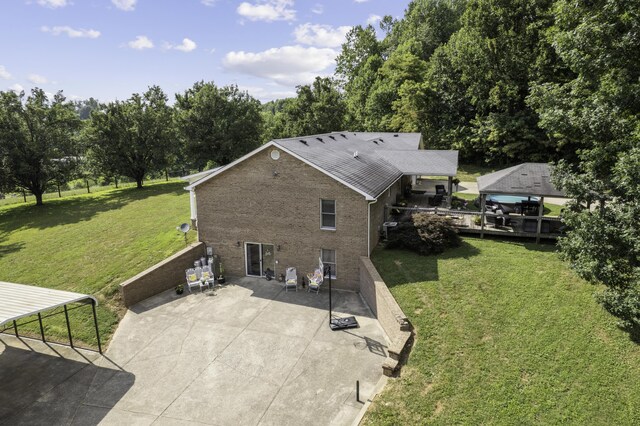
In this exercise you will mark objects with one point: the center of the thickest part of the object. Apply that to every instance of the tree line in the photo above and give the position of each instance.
(49, 142)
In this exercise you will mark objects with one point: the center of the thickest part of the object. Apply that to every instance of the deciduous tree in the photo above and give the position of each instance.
(38, 143)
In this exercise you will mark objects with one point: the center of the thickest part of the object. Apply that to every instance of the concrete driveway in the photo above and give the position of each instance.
(251, 354)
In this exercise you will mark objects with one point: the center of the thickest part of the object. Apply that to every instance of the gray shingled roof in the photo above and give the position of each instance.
(334, 154)
(523, 179)
(423, 162)
(366, 162)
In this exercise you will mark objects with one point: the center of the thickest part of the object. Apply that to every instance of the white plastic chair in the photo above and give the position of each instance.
(315, 281)
(192, 278)
(207, 278)
(291, 279)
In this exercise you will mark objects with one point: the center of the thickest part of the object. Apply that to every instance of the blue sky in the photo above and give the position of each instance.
(110, 49)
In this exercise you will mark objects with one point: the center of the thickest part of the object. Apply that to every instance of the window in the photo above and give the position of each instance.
(329, 259)
(328, 214)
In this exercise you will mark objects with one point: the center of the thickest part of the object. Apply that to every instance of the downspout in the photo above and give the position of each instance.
(369, 226)
(194, 208)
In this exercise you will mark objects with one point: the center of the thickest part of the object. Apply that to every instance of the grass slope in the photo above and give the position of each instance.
(90, 244)
(506, 334)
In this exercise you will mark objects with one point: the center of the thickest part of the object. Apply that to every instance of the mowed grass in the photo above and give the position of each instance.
(506, 334)
(90, 244)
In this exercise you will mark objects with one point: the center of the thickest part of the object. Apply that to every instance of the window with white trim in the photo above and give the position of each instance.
(328, 214)
(329, 259)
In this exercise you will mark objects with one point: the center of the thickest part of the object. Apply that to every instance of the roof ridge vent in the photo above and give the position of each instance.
(355, 154)
(302, 141)
(395, 135)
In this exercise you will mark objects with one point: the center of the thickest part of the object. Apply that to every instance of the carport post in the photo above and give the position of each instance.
(66, 316)
(15, 328)
(540, 213)
(483, 205)
(95, 322)
(450, 191)
(41, 327)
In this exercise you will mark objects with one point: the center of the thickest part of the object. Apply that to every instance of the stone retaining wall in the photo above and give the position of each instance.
(390, 315)
(161, 276)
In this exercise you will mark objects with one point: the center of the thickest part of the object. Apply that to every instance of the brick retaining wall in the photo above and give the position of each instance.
(161, 276)
(385, 308)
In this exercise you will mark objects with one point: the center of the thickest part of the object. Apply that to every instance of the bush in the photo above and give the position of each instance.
(425, 234)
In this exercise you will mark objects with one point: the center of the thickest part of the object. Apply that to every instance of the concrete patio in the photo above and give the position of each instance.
(251, 354)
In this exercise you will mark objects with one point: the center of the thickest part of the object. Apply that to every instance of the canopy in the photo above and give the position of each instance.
(523, 179)
(19, 300)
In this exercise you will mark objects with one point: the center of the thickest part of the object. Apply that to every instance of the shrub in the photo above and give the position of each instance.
(425, 234)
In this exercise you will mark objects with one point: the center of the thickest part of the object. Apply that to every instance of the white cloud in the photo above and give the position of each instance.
(71, 32)
(140, 43)
(361, 1)
(265, 95)
(268, 10)
(287, 65)
(127, 5)
(16, 88)
(321, 35)
(318, 9)
(187, 45)
(4, 74)
(53, 4)
(208, 2)
(373, 19)
(37, 79)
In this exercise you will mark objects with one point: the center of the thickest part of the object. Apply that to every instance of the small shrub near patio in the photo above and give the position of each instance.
(424, 234)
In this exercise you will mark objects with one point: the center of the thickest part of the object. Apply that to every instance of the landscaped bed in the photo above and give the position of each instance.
(506, 334)
(90, 244)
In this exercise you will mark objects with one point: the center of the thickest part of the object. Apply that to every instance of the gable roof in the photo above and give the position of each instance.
(523, 179)
(424, 162)
(368, 163)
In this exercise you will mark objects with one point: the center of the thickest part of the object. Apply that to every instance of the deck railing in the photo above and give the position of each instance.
(474, 222)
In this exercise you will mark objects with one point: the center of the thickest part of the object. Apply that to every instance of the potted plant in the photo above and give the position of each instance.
(179, 289)
(221, 279)
(455, 181)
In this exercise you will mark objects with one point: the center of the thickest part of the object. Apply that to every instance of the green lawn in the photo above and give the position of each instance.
(506, 334)
(90, 244)
(470, 172)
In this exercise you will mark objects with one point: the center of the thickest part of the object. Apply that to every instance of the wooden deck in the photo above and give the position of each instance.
(465, 221)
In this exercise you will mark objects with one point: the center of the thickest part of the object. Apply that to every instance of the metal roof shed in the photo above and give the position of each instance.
(19, 301)
(530, 179)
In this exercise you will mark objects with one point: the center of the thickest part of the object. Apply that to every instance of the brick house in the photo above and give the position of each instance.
(293, 201)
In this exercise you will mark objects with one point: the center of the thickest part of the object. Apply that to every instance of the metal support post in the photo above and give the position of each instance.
(66, 316)
(41, 327)
(95, 322)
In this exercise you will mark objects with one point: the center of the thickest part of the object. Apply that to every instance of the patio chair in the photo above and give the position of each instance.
(437, 199)
(206, 280)
(192, 278)
(291, 279)
(315, 281)
(440, 190)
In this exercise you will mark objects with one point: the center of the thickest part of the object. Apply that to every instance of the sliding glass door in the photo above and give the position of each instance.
(259, 258)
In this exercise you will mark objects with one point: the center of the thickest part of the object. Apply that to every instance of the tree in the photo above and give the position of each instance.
(38, 143)
(318, 108)
(217, 124)
(134, 137)
(86, 107)
(596, 108)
